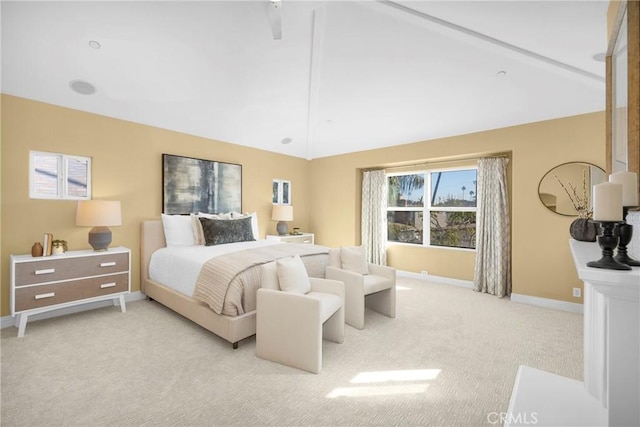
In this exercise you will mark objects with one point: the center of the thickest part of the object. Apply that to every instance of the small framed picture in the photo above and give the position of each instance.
(281, 192)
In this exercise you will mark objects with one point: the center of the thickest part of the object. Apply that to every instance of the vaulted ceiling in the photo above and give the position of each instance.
(344, 76)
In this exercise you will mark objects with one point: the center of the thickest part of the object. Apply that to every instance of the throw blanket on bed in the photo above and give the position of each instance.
(228, 283)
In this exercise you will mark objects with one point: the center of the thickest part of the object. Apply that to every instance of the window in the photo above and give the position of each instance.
(59, 176)
(446, 197)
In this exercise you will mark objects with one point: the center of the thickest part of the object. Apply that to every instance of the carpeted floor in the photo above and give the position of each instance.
(452, 356)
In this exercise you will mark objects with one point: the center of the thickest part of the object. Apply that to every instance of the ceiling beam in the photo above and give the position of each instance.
(274, 12)
(317, 40)
(491, 40)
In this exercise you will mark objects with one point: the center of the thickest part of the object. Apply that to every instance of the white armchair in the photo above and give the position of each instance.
(290, 324)
(364, 284)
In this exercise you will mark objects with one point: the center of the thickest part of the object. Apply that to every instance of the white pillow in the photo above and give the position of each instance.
(353, 259)
(292, 275)
(215, 216)
(178, 230)
(254, 222)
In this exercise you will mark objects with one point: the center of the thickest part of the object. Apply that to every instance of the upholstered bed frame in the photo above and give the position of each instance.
(232, 329)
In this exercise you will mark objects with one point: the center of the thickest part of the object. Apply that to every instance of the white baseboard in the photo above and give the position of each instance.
(548, 303)
(519, 298)
(436, 279)
(8, 321)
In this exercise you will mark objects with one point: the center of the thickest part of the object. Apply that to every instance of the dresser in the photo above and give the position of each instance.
(44, 284)
(293, 238)
(610, 392)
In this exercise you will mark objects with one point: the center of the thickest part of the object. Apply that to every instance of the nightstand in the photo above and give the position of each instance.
(293, 238)
(43, 284)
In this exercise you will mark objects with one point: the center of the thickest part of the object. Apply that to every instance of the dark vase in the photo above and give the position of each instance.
(584, 230)
(36, 249)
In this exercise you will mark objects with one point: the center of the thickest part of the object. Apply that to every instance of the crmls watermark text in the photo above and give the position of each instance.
(519, 418)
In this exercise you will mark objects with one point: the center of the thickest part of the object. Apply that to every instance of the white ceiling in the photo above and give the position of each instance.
(346, 76)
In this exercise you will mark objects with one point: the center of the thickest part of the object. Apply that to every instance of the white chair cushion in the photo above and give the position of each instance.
(376, 283)
(353, 259)
(329, 303)
(292, 275)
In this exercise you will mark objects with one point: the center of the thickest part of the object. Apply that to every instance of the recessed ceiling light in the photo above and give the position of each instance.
(286, 141)
(82, 87)
(94, 44)
(600, 57)
(501, 74)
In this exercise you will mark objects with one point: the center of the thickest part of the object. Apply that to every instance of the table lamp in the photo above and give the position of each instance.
(282, 213)
(99, 214)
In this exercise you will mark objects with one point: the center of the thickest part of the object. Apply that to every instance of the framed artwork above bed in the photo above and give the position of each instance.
(196, 185)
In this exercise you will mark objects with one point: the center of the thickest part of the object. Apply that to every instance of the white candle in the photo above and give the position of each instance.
(607, 202)
(629, 181)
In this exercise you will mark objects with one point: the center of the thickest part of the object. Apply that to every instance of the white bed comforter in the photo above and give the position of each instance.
(178, 267)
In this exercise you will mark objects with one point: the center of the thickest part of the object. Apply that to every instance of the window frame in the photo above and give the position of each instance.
(62, 165)
(427, 207)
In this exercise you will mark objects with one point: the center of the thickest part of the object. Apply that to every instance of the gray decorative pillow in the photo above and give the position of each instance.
(221, 231)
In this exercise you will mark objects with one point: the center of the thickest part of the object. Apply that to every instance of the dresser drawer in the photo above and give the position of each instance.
(305, 238)
(60, 268)
(27, 298)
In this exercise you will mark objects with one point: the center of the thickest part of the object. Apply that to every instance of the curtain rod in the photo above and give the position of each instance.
(427, 163)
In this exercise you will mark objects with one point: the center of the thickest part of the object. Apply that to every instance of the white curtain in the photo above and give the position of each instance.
(374, 216)
(493, 236)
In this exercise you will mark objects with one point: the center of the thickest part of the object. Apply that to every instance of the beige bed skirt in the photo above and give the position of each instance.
(232, 329)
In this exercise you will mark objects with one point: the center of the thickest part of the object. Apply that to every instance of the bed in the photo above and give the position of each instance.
(232, 328)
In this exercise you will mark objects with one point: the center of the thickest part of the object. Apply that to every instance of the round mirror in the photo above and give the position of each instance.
(569, 185)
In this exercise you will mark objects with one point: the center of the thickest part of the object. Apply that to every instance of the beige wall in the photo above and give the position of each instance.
(127, 166)
(326, 192)
(542, 264)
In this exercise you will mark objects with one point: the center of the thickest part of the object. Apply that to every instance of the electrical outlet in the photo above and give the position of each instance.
(576, 292)
(424, 272)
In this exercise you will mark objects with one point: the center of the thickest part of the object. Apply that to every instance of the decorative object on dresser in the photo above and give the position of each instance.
(308, 238)
(37, 250)
(42, 284)
(629, 182)
(59, 247)
(47, 244)
(282, 214)
(607, 211)
(99, 214)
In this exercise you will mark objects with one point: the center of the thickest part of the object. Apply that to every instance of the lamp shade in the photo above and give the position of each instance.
(98, 213)
(282, 213)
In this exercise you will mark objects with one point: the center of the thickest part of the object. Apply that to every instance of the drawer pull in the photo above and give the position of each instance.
(107, 285)
(47, 295)
(108, 264)
(46, 271)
